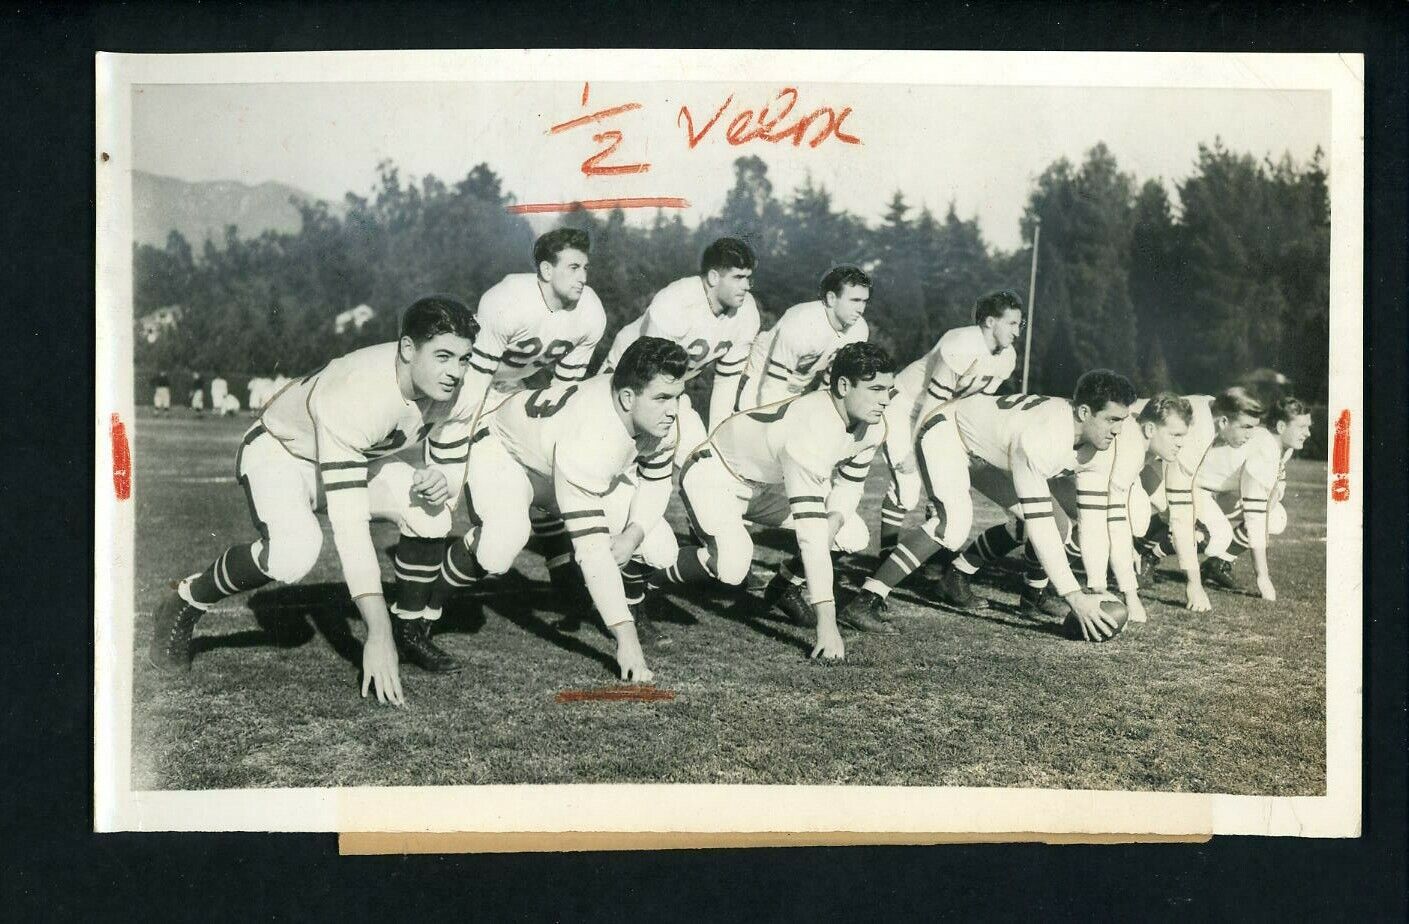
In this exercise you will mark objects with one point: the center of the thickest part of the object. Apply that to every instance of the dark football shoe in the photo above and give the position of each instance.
(789, 600)
(174, 621)
(648, 631)
(864, 614)
(414, 645)
(1037, 603)
(952, 589)
(1219, 573)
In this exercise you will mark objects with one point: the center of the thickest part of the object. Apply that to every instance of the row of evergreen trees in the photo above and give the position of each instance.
(1190, 294)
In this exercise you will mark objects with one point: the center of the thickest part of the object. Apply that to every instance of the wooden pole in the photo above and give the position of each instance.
(1031, 301)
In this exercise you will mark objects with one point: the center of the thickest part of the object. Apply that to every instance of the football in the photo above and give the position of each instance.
(1114, 609)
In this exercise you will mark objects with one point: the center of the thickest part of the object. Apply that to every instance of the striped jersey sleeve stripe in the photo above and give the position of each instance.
(589, 531)
(343, 485)
(572, 365)
(483, 355)
(804, 498)
(788, 369)
(850, 477)
(809, 515)
(580, 514)
(335, 466)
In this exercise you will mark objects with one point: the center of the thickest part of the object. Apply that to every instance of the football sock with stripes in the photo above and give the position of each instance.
(1034, 576)
(633, 579)
(233, 572)
(1156, 541)
(1240, 543)
(992, 544)
(460, 568)
(791, 570)
(892, 522)
(689, 568)
(915, 548)
(417, 565)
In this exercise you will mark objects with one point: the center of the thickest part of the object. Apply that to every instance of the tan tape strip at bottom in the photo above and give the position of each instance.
(369, 844)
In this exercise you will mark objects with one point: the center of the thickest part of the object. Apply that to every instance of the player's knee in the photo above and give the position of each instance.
(951, 525)
(1277, 520)
(499, 544)
(659, 549)
(733, 559)
(427, 523)
(853, 536)
(294, 552)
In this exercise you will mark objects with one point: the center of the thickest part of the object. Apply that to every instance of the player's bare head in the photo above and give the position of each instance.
(863, 378)
(1290, 419)
(561, 257)
(437, 333)
(1000, 316)
(1165, 420)
(845, 290)
(1236, 414)
(727, 268)
(1102, 401)
(648, 380)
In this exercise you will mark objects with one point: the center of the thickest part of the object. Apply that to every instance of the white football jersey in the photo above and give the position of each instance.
(1257, 469)
(574, 432)
(959, 365)
(1201, 433)
(1001, 430)
(799, 443)
(341, 418)
(681, 314)
(788, 358)
(1123, 460)
(350, 411)
(519, 334)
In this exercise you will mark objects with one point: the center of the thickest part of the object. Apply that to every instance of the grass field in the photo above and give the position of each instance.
(1232, 701)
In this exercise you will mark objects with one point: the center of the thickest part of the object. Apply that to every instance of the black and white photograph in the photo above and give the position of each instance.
(729, 441)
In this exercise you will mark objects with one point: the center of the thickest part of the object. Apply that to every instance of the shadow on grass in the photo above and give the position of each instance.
(523, 608)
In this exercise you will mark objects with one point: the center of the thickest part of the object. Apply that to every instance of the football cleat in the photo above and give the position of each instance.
(1145, 565)
(1219, 573)
(1037, 602)
(174, 620)
(952, 589)
(864, 614)
(414, 645)
(787, 597)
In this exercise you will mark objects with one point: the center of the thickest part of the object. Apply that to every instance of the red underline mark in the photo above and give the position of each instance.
(593, 117)
(618, 694)
(122, 459)
(1340, 459)
(588, 205)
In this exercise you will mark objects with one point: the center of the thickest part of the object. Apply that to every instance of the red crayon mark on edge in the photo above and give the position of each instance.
(640, 202)
(1340, 459)
(618, 694)
(122, 459)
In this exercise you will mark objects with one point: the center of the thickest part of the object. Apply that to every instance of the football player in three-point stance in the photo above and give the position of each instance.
(1227, 419)
(714, 318)
(800, 462)
(548, 319)
(1025, 440)
(597, 455)
(318, 443)
(793, 356)
(1109, 487)
(965, 361)
(1239, 493)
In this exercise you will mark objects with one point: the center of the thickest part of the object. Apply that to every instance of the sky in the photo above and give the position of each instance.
(979, 147)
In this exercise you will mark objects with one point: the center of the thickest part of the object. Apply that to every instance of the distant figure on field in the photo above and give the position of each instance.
(161, 393)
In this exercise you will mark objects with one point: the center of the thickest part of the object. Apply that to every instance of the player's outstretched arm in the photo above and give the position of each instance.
(381, 672)
(1179, 490)
(1122, 548)
(1257, 487)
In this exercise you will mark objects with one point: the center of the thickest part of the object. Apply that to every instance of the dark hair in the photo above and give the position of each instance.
(646, 358)
(438, 314)
(1234, 402)
(1284, 410)
(725, 254)
(994, 304)
(860, 362)
(549, 245)
(1099, 387)
(1162, 405)
(839, 277)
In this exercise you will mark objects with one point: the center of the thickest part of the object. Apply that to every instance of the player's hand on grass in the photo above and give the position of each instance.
(430, 485)
(830, 646)
(1197, 598)
(1135, 607)
(381, 670)
(629, 657)
(626, 542)
(1095, 624)
(1264, 587)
